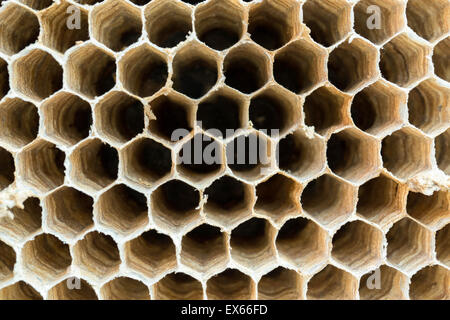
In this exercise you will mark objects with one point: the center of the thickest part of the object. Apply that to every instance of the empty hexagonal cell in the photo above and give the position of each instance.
(326, 110)
(178, 286)
(385, 283)
(56, 31)
(379, 20)
(432, 210)
(167, 22)
(124, 288)
(41, 165)
(430, 283)
(67, 118)
(7, 261)
(151, 254)
(37, 4)
(377, 109)
(122, 209)
(79, 289)
(69, 212)
(204, 249)
(404, 60)
(406, 152)
(94, 165)
(246, 68)
(302, 243)
(274, 23)
(116, 24)
(332, 284)
(228, 201)
(300, 66)
(195, 70)
(353, 155)
(428, 106)
(440, 59)
(37, 74)
(442, 145)
(7, 168)
(409, 245)
(301, 155)
(146, 161)
(443, 245)
(25, 221)
(280, 284)
(4, 78)
(143, 70)
(175, 205)
(252, 243)
(328, 20)
(328, 200)
(97, 255)
(231, 284)
(428, 20)
(20, 291)
(19, 28)
(352, 64)
(91, 71)
(46, 257)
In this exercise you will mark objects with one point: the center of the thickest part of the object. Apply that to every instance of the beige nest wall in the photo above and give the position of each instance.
(99, 201)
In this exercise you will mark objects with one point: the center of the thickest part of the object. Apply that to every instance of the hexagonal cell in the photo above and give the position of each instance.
(328, 20)
(167, 22)
(62, 291)
(143, 70)
(278, 198)
(377, 109)
(69, 212)
(352, 64)
(246, 68)
(46, 257)
(116, 24)
(91, 71)
(430, 20)
(281, 284)
(252, 243)
(432, 210)
(302, 243)
(25, 222)
(7, 168)
(326, 110)
(124, 288)
(178, 286)
(442, 145)
(430, 283)
(94, 165)
(409, 245)
(175, 117)
(37, 4)
(228, 201)
(122, 209)
(406, 152)
(37, 75)
(4, 78)
(7, 261)
(392, 21)
(380, 200)
(274, 109)
(97, 255)
(300, 66)
(205, 249)
(56, 33)
(41, 165)
(428, 106)
(175, 205)
(440, 59)
(332, 284)
(19, 291)
(392, 285)
(19, 28)
(231, 284)
(353, 155)
(404, 61)
(328, 200)
(301, 155)
(272, 24)
(151, 254)
(443, 245)
(195, 70)
(200, 158)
